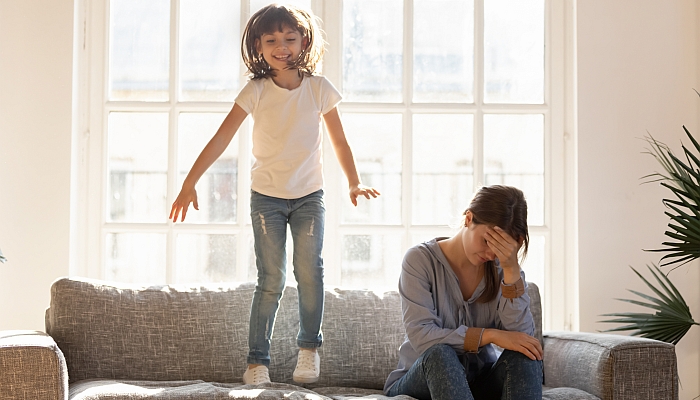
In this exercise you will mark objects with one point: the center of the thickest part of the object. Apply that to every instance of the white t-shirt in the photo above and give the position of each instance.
(287, 134)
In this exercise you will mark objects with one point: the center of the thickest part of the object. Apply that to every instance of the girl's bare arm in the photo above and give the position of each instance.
(345, 157)
(212, 151)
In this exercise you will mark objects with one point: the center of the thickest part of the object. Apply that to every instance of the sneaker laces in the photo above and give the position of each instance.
(260, 375)
(307, 360)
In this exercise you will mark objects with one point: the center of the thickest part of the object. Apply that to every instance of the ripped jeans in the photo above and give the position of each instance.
(270, 216)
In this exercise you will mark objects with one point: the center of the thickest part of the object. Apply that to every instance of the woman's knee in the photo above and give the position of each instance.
(522, 365)
(441, 353)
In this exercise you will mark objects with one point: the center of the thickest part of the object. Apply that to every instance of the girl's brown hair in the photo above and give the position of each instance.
(505, 207)
(274, 18)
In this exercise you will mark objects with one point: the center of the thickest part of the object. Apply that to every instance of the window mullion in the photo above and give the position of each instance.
(335, 194)
(97, 42)
(478, 161)
(408, 52)
(407, 128)
(170, 257)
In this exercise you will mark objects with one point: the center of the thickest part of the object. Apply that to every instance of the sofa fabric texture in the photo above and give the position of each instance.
(623, 365)
(180, 342)
(167, 333)
(32, 362)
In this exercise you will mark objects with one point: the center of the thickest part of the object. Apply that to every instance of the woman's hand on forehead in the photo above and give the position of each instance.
(503, 246)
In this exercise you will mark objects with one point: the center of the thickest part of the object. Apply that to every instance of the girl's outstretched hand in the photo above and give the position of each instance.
(362, 190)
(516, 341)
(182, 203)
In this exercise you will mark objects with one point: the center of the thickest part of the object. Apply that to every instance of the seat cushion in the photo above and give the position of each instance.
(566, 393)
(103, 389)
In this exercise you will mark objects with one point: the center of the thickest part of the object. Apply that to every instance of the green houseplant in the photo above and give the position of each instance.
(670, 318)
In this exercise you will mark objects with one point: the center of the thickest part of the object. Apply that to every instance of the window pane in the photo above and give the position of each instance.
(209, 49)
(205, 258)
(139, 50)
(514, 155)
(217, 189)
(443, 69)
(135, 257)
(371, 261)
(372, 50)
(138, 165)
(376, 145)
(255, 5)
(442, 167)
(514, 51)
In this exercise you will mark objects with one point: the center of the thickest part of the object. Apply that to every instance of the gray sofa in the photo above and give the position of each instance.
(110, 341)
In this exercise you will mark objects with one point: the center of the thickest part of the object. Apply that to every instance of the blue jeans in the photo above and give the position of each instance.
(439, 374)
(270, 216)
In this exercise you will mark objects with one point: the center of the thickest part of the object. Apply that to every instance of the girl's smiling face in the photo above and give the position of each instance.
(280, 49)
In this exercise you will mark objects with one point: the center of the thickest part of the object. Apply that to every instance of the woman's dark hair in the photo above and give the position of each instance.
(505, 207)
(274, 18)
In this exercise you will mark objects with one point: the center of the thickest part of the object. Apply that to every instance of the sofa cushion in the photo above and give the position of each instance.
(174, 333)
(99, 389)
(605, 365)
(362, 332)
(166, 333)
(102, 389)
(183, 333)
(566, 393)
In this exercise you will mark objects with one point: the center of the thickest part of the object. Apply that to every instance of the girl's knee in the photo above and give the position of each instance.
(271, 282)
(309, 277)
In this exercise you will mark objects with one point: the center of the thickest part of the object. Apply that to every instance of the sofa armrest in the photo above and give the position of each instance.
(611, 367)
(31, 367)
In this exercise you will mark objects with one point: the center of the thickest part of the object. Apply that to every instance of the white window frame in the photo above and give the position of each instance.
(559, 229)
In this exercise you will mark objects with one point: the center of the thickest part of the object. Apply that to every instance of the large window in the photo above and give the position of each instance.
(440, 97)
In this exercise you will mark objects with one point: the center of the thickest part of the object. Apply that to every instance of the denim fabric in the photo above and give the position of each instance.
(270, 216)
(514, 376)
(439, 374)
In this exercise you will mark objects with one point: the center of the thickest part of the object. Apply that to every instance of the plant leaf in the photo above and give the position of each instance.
(682, 178)
(670, 319)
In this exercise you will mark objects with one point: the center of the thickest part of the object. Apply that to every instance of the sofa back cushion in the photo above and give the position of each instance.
(110, 330)
(119, 331)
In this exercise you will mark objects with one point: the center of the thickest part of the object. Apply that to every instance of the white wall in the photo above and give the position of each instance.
(637, 66)
(36, 46)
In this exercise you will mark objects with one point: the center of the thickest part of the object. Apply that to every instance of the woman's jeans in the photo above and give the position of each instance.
(270, 216)
(438, 374)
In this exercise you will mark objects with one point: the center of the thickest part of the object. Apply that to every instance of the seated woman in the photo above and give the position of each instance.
(462, 294)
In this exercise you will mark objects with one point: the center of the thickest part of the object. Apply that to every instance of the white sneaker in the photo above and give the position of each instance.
(256, 375)
(308, 366)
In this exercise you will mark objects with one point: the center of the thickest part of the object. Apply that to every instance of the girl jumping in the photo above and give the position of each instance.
(282, 46)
